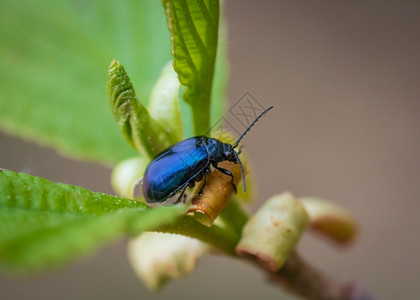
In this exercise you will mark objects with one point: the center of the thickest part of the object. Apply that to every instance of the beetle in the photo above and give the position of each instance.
(187, 162)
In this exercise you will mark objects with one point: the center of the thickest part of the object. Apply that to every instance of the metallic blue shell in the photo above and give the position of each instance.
(174, 168)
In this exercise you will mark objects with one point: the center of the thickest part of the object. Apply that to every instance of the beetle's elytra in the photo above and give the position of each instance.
(187, 162)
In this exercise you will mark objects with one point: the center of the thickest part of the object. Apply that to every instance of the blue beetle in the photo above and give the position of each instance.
(187, 162)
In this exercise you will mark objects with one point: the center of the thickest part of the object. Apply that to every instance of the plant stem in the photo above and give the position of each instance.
(302, 279)
(296, 275)
(221, 238)
(234, 217)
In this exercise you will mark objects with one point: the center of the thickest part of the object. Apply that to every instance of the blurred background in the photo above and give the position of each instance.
(344, 79)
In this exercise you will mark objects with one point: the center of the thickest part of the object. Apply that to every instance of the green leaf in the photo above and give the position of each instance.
(54, 57)
(194, 29)
(43, 224)
(138, 127)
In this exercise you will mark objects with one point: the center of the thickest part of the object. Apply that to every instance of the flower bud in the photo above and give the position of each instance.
(273, 232)
(158, 258)
(330, 220)
(164, 103)
(126, 174)
(216, 193)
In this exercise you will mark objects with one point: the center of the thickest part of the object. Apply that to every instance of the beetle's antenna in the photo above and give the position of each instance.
(249, 127)
(242, 170)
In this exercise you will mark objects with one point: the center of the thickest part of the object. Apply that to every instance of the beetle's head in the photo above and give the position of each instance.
(229, 153)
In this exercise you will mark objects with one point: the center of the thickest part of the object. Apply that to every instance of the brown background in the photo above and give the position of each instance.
(344, 79)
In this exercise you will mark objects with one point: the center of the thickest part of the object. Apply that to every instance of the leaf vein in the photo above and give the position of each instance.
(184, 47)
(205, 11)
(193, 29)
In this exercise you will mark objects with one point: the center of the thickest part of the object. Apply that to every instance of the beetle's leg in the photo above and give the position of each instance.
(204, 174)
(228, 173)
(180, 196)
(191, 184)
(202, 187)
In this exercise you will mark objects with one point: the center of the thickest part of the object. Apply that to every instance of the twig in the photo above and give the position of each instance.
(302, 279)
